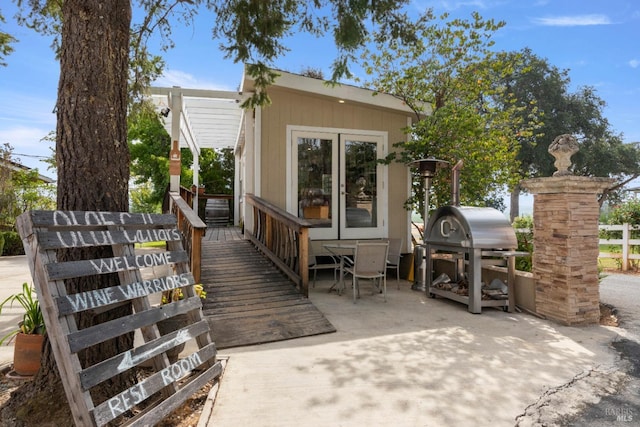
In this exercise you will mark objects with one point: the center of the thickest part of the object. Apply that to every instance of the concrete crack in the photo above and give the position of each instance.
(562, 401)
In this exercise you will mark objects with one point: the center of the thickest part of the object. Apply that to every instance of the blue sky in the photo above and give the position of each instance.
(598, 41)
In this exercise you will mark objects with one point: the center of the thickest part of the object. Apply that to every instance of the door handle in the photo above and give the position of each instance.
(449, 229)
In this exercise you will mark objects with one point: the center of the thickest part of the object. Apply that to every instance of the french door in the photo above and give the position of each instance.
(336, 182)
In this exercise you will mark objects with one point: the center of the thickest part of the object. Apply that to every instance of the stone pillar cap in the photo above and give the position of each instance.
(567, 184)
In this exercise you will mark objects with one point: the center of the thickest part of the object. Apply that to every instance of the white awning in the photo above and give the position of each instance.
(208, 118)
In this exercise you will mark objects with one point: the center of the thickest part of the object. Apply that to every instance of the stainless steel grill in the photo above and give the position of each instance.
(467, 235)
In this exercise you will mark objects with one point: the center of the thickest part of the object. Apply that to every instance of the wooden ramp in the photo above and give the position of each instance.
(249, 301)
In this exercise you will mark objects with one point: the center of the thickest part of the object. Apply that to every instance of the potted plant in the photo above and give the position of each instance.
(176, 322)
(30, 332)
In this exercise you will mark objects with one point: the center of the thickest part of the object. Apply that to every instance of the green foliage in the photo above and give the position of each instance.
(252, 31)
(1, 243)
(32, 320)
(31, 192)
(149, 146)
(542, 89)
(217, 170)
(523, 222)
(452, 80)
(141, 197)
(7, 195)
(524, 233)
(627, 212)
(12, 243)
(6, 41)
(20, 190)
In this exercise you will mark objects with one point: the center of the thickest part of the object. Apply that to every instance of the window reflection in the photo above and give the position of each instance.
(314, 180)
(361, 183)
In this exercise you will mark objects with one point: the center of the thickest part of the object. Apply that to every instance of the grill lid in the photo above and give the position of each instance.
(471, 227)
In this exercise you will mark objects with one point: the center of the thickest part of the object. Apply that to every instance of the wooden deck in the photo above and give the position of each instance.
(222, 234)
(249, 301)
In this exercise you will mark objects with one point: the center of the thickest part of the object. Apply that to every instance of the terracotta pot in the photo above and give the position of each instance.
(27, 351)
(170, 325)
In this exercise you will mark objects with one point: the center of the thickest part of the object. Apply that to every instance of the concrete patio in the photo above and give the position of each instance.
(412, 361)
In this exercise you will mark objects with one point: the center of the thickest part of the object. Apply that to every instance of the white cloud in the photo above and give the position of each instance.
(634, 63)
(26, 139)
(27, 144)
(27, 109)
(453, 5)
(573, 21)
(449, 5)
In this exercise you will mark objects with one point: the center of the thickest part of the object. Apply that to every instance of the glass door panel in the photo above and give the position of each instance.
(316, 189)
(361, 184)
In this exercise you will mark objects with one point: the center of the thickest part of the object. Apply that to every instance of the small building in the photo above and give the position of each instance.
(315, 151)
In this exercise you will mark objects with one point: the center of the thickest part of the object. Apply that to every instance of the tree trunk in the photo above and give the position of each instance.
(514, 209)
(91, 135)
(93, 167)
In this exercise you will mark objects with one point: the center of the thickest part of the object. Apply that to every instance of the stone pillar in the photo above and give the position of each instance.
(565, 239)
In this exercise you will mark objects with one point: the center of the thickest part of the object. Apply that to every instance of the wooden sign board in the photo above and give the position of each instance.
(45, 234)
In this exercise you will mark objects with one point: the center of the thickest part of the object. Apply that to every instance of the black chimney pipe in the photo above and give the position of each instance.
(455, 183)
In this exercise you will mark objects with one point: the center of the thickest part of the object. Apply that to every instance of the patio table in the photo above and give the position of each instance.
(342, 251)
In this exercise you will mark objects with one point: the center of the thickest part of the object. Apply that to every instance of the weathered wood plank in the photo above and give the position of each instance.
(268, 327)
(282, 293)
(239, 280)
(115, 365)
(255, 288)
(89, 300)
(168, 405)
(65, 270)
(93, 335)
(236, 309)
(90, 218)
(122, 402)
(84, 239)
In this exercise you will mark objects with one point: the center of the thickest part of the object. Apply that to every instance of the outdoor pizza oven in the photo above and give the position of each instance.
(467, 236)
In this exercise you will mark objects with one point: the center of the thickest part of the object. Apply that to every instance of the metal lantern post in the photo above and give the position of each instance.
(427, 168)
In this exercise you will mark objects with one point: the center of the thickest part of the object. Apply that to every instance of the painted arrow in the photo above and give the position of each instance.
(129, 360)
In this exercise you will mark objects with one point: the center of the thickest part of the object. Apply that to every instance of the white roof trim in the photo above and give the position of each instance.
(339, 91)
(208, 118)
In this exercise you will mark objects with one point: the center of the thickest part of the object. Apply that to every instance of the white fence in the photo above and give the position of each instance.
(626, 243)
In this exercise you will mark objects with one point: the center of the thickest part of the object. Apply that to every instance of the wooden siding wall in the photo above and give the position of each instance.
(294, 108)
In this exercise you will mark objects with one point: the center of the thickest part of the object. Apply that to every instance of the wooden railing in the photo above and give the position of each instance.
(283, 237)
(189, 194)
(192, 229)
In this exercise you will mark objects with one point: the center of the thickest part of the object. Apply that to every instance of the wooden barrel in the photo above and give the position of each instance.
(216, 212)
